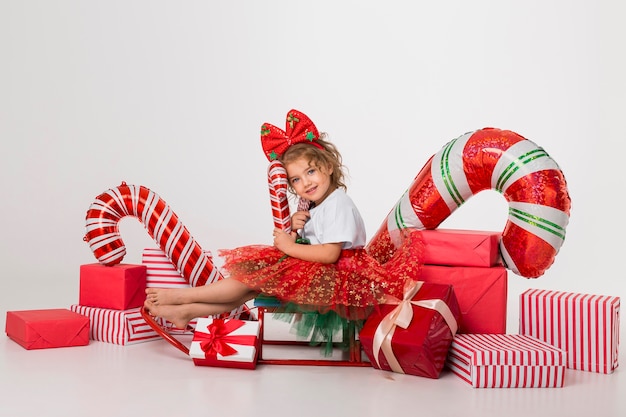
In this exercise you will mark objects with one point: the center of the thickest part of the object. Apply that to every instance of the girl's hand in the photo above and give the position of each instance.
(298, 219)
(283, 240)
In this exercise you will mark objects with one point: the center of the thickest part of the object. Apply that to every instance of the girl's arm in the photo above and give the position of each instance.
(327, 253)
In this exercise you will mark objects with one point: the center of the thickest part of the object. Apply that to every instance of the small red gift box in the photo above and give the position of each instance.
(413, 336)
(118, 287)
(506, 361)
(120, 327)
(228, 343)
(586, 326)
(53, 328)
(453, 247)
(481, 292)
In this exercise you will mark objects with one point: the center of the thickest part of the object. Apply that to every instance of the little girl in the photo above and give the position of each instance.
(332, 273)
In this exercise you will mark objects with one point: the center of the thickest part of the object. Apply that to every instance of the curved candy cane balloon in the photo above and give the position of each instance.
(528, 178)
(103, 235)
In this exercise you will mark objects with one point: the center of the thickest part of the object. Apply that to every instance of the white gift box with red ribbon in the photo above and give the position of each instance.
(229, 343)
(506, 361)
(586, 326)
(120, 327)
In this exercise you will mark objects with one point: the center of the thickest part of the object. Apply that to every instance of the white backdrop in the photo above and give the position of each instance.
(171, 95)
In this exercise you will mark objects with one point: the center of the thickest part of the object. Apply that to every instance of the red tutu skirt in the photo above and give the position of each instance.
(351, 287)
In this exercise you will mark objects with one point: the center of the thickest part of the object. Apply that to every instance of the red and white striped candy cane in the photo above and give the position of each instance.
(528, 178)
(103, 235)
(278, 187)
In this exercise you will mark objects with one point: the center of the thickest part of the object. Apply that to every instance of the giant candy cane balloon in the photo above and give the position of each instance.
(528, 178)
(103, 235)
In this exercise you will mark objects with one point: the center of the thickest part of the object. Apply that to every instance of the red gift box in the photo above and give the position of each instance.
(453, 247)
(481, 293)
(506, 361)
(53, 328)
(118, 287)
(586, 326)
(413, 336)
(228, 343)
(120, 327)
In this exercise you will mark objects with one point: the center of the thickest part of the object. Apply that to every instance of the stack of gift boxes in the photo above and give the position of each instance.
(455, 318)
(557, 330)
(108, 310)
(112, 296)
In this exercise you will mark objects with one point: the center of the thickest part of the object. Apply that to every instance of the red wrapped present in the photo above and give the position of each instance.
(41, 329)
(506, 361)
(412, 335)
(481, 292)
(453, 247)
(118, 287)
(228, 343)
(120, 327)
(585, 326)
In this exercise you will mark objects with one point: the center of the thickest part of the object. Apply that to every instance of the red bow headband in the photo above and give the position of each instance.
(298, 128)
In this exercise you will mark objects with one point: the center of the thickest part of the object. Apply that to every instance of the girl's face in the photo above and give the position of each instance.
(308, 181)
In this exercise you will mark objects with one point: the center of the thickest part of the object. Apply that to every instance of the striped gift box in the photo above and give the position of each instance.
(506, 361)
(161, 273)
(585, 326)
(120, 327)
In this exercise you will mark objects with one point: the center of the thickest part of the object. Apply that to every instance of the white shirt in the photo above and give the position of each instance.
(336, 220)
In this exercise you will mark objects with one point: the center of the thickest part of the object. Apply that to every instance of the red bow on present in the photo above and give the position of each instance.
(217, 340)
(298, 128)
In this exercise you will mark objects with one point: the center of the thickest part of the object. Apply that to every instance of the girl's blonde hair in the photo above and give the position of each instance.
(329, 157)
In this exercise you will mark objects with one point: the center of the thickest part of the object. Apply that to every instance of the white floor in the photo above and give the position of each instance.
(156, 379)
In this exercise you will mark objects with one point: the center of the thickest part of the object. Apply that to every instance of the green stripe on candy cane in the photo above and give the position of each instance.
(398, 217)
(517, 164)
(538, 222)
(402, 216)
(446, 174)
(544, 222)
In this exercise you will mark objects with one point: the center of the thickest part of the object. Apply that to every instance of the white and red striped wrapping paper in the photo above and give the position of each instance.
(585, 326)
(120, 327)
(162, 273)
(506, 361)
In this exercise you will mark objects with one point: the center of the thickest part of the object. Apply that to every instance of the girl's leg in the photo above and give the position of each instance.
(226, 290)
(181, 314)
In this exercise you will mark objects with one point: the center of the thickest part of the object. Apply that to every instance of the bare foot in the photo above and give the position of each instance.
(178, 315)
(162, 296)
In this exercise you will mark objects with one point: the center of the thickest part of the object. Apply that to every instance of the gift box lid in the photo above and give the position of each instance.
(506, 349)
(566, 296)
(458, 247)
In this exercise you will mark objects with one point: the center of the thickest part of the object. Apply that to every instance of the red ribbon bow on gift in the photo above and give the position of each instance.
(402, 316)
(298, 128)
(217, 340)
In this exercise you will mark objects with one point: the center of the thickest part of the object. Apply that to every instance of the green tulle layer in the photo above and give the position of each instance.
(322, 329)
